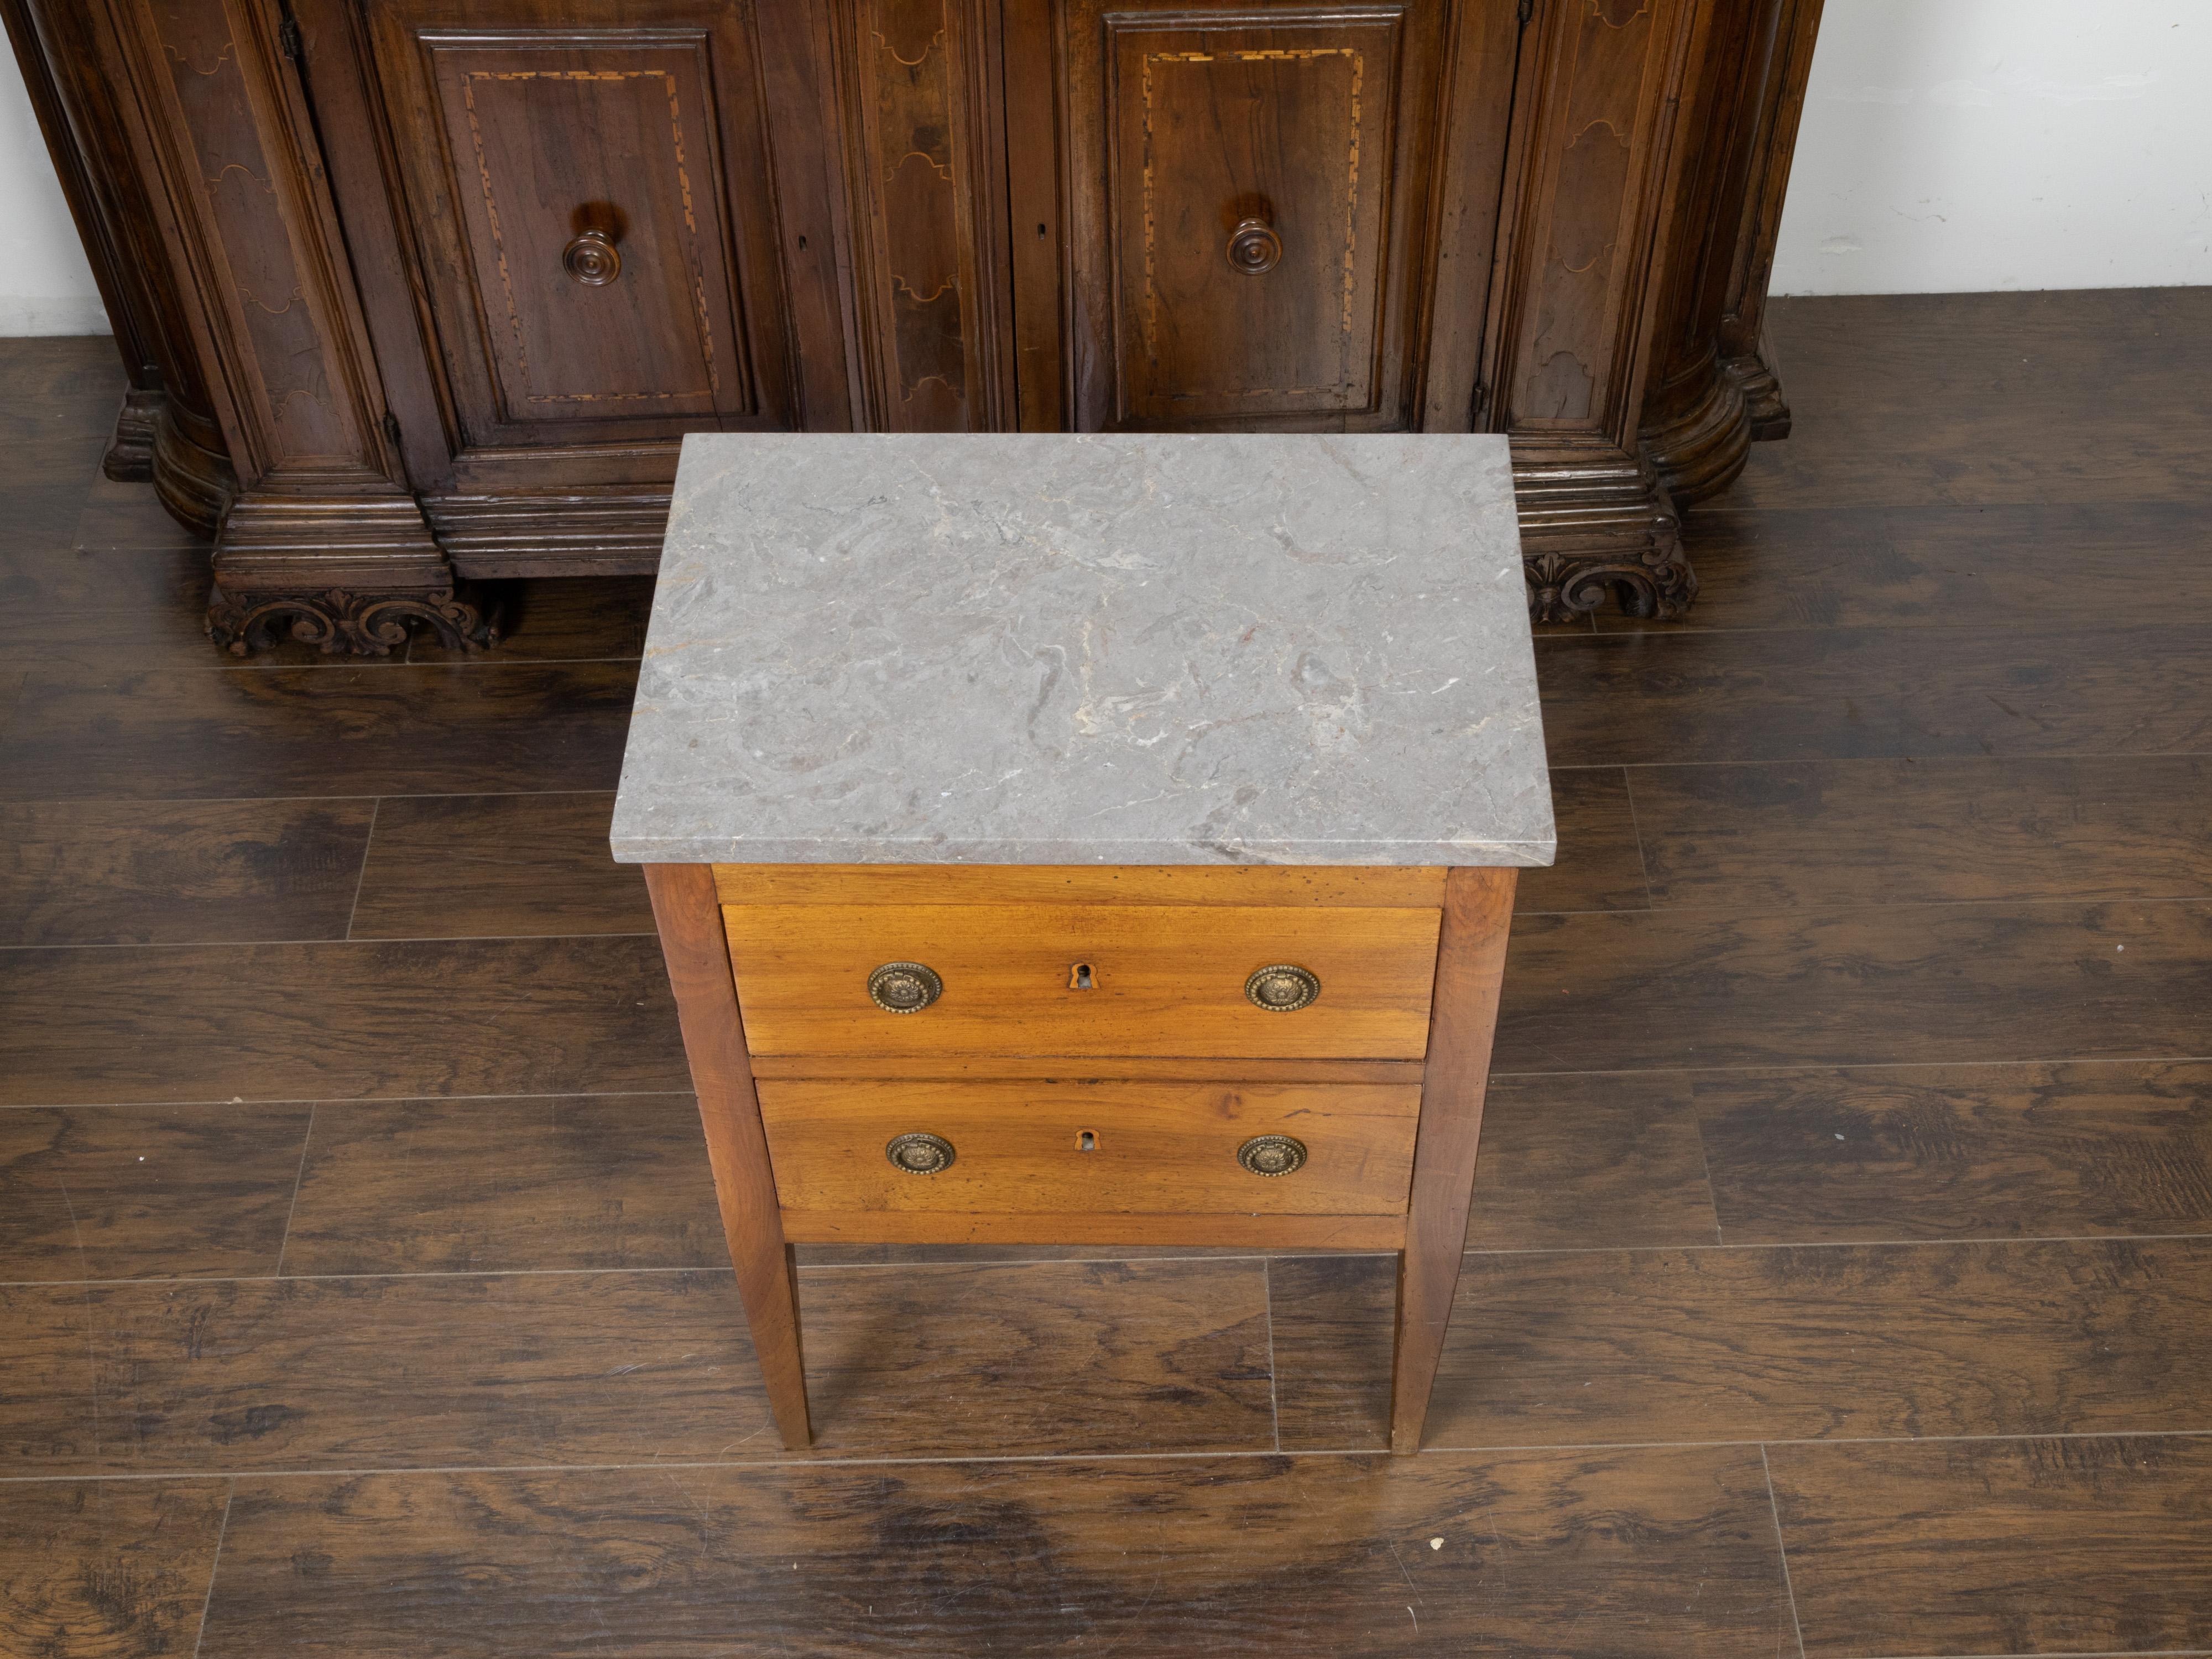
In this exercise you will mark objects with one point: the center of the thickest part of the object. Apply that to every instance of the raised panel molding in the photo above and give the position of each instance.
(1193, 337)
(267, 295)
(1595, 132)
(1553, 218)
(665, 330)
(920, 79)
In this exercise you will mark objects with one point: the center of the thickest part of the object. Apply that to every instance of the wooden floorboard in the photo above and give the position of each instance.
(1581, 1161)
(214, 1023)
(1848, 1342)
(1934, 567)
(466, 867)
(347, 731)
(1591, 1555)
(559, 1183)
(432, 1370)
(2093, 1546)
(107, 1570)
(1812, 833)
(1908, 984)
(147, 1192)
(1601, 864)
(1958, 399)
(1874, 694)
(1850, 1123)
(180, 872)
(1997, 1151)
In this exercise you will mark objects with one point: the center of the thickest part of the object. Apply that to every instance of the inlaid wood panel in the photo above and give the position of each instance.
(1582, 1555)
(1246, 218)
(598, 217)
(2091, 1546)
(1136, 1149)
(1163, 979)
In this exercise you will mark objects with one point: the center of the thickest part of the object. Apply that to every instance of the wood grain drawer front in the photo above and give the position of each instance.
(1158, 1148)
(1163, 979)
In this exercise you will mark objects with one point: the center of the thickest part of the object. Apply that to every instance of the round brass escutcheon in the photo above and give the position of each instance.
(593, 259)
(1272, 1155)
(904, 987)
(1254, 247)
(1282, 988)
(920, 1154)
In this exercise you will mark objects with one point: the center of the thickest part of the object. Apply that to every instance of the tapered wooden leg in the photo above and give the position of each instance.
(698, 953)
(1462, 1020)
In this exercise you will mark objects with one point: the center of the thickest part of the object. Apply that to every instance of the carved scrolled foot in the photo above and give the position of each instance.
(1654, 582)
(358, 624)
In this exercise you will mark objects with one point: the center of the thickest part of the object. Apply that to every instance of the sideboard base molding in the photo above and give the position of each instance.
(371, 624)
(130, 458)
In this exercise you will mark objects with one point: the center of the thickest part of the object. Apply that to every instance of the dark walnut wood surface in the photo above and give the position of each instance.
(1839, 1279)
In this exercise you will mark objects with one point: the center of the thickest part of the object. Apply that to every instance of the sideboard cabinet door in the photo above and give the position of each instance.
(1248, 191)
(595, 215)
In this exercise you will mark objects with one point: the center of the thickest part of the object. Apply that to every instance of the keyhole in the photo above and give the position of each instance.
(1086, 1142)
(1079, 979)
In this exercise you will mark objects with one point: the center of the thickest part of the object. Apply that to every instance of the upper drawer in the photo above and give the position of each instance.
(1160, 979)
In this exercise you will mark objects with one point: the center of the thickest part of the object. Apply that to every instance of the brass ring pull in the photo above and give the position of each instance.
(1254, 247)
(1272, 1155)
(1283, 988)
(593, 259)
(920, 1154)
(904, 987)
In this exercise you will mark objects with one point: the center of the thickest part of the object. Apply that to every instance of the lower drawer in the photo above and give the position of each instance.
(1090, 1148)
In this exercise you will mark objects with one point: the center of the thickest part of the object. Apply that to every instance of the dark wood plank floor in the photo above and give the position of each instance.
(1839, 1282)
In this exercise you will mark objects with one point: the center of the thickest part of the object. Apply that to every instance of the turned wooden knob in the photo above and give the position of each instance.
(1254, 247)
(593, 259)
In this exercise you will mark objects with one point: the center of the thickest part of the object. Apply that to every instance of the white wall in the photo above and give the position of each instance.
(1948, 144)
(1958, 145)
(45, 286)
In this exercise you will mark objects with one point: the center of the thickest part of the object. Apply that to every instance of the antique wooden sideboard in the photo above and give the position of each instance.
(416, 294)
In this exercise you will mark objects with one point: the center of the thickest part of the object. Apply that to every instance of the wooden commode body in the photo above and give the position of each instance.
(948, 1047)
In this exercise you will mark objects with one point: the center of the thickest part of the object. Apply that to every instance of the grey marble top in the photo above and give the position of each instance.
(1131, 649)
